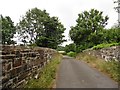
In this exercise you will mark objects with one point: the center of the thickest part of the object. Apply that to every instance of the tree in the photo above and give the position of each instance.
(31, 25)
(8, 30)
(39, 28)
(60, 48)
(53, 34)
(89, 24)
(112, 35)
(70, 47)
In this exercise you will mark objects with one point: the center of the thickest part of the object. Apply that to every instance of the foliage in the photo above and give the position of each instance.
(87, 23)
(67, 49)
(88, 30)
(71, 54)
(111, 67)
(60, 48)
(112, 35)
(8, 30)
(43, 30)
(70, 47)
(104, 45)
(47, 75)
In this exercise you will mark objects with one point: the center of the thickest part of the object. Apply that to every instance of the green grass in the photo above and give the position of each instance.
(104, 45)
(47, 75)
(111, 68)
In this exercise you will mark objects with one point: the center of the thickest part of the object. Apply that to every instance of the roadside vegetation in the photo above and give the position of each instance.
(90, 31)
(71, 54)
(111, 68)
(104, 45)
(70, 49)
(47, 75)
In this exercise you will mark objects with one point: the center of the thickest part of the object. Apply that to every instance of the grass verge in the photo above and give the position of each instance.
(111, 68)
(47, 75)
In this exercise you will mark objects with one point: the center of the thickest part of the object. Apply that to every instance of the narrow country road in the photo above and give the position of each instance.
(76, 74)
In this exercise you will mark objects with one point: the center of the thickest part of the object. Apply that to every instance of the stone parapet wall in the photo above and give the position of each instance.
(22, 63)
(108, 54)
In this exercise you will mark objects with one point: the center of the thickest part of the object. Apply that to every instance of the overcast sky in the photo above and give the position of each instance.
(66, 10)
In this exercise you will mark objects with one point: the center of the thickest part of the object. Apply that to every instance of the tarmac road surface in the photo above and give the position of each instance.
(77, 74)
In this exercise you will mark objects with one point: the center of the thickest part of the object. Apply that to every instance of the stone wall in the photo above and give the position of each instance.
(22, 63)
(108, 54)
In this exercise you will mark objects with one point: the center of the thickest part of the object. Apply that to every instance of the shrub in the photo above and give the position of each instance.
(71, 54)
(104, 45)
(70, 47)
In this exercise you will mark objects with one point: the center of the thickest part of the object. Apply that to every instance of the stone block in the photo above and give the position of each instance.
(19, 70)
(32, 54)
(23, 76)
(24, 67)
(15, 80)
(17, 52)
(5, 79)
(9, 66)
(17, 62)
(10, 56)
(12, 73)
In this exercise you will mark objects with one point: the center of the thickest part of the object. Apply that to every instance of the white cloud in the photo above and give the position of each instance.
(66, 10)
